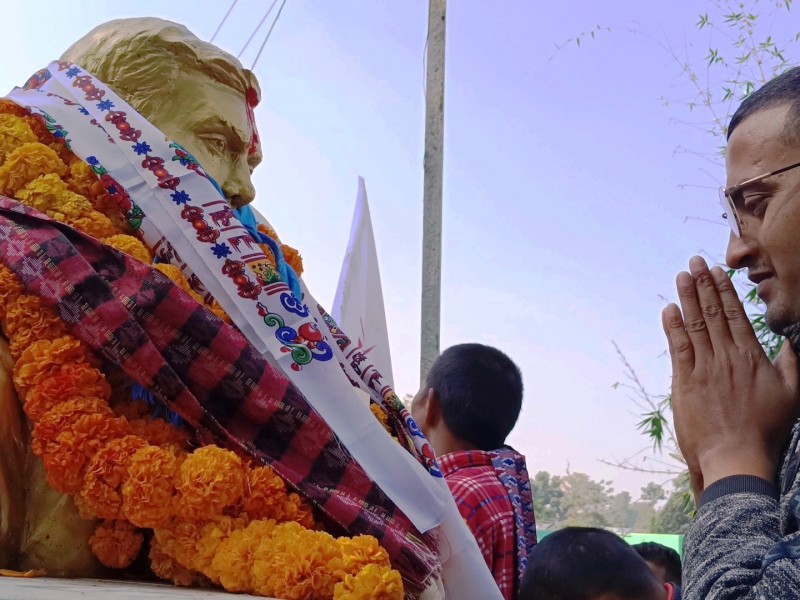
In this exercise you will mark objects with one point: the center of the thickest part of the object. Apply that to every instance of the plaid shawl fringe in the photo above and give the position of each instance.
(205, 371)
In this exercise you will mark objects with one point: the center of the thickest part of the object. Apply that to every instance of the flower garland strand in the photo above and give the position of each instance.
(215, 518)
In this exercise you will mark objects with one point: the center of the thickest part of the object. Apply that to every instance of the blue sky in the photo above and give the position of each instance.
(567, 210)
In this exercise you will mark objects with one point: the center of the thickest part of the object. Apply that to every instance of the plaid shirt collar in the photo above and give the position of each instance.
(461, 459)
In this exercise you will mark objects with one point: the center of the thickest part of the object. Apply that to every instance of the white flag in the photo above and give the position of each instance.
(358, 305)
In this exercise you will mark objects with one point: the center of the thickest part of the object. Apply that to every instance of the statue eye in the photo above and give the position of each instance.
(216, 143)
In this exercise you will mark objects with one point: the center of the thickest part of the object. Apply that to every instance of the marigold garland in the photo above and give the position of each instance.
(214, 517)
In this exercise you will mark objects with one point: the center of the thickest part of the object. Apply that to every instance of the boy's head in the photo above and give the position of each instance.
(662, 560)
(585, 563)
(470, 399)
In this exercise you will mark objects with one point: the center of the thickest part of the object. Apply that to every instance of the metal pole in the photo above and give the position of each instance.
(432, 193)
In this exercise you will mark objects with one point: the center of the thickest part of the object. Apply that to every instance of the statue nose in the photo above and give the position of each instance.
(238, 187)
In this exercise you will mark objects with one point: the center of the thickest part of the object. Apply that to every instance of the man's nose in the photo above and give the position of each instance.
(741, 250)
(238, 187)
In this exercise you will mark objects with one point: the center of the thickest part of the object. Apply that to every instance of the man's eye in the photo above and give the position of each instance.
(755, 204)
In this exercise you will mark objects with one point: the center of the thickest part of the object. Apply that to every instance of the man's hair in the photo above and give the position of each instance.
(480, 393)
(141, 58)
(783, 90)
(580, 563)
(663, 556)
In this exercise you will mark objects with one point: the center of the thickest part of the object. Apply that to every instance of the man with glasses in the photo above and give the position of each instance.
(737, 415)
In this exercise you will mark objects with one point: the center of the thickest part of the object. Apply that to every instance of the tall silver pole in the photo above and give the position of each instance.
(432, 193)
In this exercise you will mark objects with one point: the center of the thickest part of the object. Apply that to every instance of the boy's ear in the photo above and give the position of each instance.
(433, 409)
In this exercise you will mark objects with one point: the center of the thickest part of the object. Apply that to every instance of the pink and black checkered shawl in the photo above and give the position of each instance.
(204, 370)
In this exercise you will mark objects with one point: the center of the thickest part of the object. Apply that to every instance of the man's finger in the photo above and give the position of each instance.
(739, 325)
(786, 363)
(681, 350)
(693, 320)
(710, 303)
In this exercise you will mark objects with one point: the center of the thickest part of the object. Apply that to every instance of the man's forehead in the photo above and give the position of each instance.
(758, 144)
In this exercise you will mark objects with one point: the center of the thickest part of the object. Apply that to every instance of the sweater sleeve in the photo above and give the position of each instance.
(734, 549)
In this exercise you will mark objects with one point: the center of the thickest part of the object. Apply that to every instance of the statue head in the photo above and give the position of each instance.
(198, 95)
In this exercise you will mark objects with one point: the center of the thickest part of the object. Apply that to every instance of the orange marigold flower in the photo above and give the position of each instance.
(194, 543)
(265, 492)
(65, 461)
(373, 582)
(132, 410)
(7, 107)
(360, 551)
(160, 433)
(149, 492)
(39, 128)
(116, 544)
(46, 358)
(166, 567)
(10, 288)
(293, 259)
(178, 278)
(25, 164)
(28, 321)
(105, 475)
(210, 479)
(14, 132)
(61, 417)
(297, 563)
(80, 380)
(233, 558)
(130, 246)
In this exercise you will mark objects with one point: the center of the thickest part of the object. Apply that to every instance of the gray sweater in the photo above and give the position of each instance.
(745, 541)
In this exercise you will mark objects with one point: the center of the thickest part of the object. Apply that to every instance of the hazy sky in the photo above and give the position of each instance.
(565, 201)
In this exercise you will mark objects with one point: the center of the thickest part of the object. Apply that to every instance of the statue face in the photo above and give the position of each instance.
(211, 121)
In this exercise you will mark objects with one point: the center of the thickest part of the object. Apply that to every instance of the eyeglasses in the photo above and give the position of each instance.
(726, 197)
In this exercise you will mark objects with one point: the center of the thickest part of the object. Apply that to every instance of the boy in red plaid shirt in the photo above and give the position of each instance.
(467, 405)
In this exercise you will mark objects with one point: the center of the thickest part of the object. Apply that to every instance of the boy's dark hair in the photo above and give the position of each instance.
(663, 556)
(784, 89)
(581, 563)
(480, 393)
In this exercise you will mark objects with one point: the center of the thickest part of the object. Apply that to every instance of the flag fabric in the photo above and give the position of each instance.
(358, 306)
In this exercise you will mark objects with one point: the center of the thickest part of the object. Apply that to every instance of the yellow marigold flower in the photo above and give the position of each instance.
(166, 567)
(360, 551)
(14, 132)
(95, 224)
(79, 380)
(297, 563)
(160, 433)
(60, 417)
(131, 246)
(45, 358)
(210, 479)
(233, 557)
(382, 416)
(148, 494)
(25, 164)
(65, 461)
(81, 178)
(116, 544)
(10, 289)
(105, 475)
(50, 195)
(372, 583)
